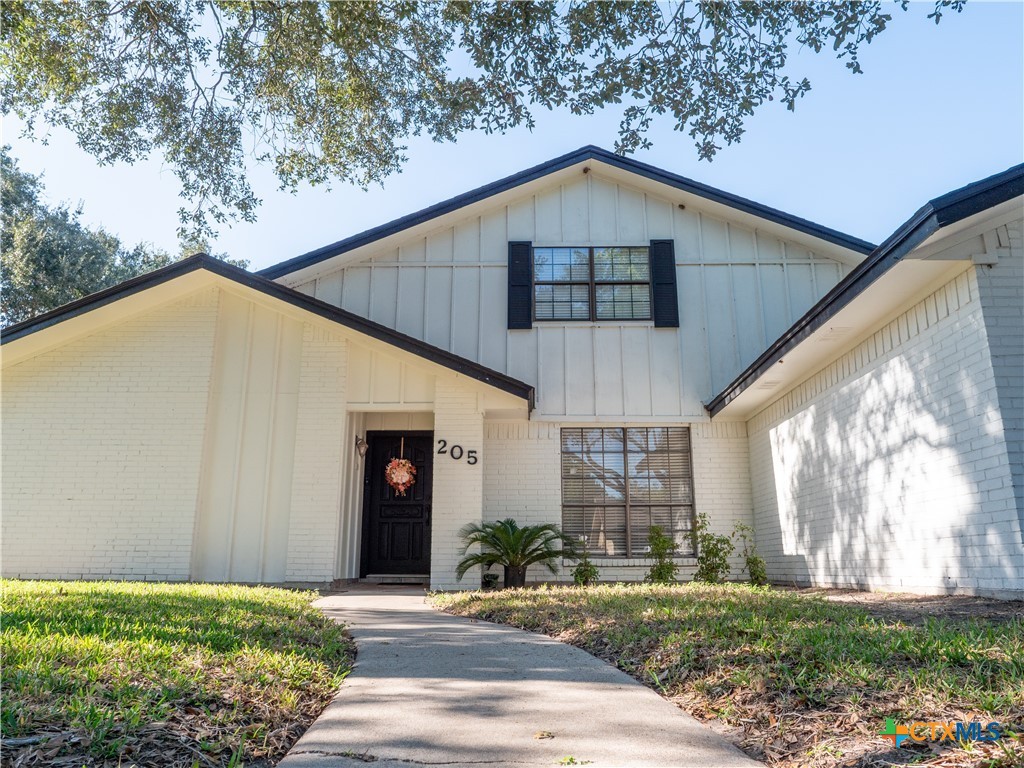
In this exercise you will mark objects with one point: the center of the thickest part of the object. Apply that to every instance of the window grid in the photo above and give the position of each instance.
(592, 283)
(617, 482)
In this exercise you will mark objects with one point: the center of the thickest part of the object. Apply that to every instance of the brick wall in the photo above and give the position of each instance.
(888, 469)
(102, 441)
(1001, 291)
(458, 485)
(316, 478)
(522, 480)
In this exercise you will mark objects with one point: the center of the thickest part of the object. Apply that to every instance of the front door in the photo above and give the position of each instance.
(396, 529)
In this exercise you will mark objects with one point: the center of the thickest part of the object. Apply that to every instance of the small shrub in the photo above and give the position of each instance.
(489, 581)
(755, 565)
(515, 548)
(713, 552)
(585, 573)
(663, 570)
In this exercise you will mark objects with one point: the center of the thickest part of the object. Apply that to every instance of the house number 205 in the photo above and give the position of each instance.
(456, 452)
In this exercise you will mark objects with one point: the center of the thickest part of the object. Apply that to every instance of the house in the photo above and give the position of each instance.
(593, 342)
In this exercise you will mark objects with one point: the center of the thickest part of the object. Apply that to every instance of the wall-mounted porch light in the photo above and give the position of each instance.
(361, 446)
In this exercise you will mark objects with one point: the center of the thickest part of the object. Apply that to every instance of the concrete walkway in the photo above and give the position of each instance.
(434, 689)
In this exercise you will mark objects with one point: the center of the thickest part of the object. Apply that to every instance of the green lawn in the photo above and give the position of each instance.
(162, 674)
(801, 680)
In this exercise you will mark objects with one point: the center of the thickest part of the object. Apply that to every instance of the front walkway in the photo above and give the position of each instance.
(435, 689)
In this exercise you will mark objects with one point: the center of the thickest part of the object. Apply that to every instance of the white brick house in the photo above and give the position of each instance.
(592, 342)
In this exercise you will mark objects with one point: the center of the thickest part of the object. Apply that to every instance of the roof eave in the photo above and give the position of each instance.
(290, 296)
(570, 159)
(933, 216)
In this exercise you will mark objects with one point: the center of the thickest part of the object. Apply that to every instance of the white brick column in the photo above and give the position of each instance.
(458, 485)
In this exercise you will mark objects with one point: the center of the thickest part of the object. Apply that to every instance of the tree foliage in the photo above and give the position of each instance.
(326, 91)
(48, 257)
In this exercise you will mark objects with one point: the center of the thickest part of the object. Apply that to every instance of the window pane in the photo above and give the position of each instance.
(636, 440)
(562, 269)
(604, 267)
(572, 522)
(682, 490)
(639, 490)
(572, 440)
(597, 466)
(683, 519)
(580, 260)
(572, 489)
(606, 531)
(561, 264)
(613, 440)
(621, 265)
(662, 516)
(593, 440)
(623, 302)
(542, 264)
(639, 528)
(621, 281)
(561, 302)
(661, 490)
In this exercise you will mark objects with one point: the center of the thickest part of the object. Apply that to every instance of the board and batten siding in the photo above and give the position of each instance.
(739, 289)
(271, 479)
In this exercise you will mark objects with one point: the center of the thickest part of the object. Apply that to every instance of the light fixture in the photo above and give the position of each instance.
(361, 446)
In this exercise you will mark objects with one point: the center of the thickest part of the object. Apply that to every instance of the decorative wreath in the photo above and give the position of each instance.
(401, 475)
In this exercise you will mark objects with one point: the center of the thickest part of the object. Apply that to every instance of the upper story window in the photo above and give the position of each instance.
(592, 284)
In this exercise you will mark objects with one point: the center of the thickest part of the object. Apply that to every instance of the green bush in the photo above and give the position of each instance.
(585, 573)
(713, 552)
(755, 565)
(663, 548)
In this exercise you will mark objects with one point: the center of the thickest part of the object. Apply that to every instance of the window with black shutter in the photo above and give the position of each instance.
(520, 285)
(592, 283)
(664, 297)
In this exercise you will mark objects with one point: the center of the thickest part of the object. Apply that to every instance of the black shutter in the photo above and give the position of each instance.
(665, 300)
(520, 285)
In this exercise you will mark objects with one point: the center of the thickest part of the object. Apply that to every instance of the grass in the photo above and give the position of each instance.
(122, 673)
(797, 680)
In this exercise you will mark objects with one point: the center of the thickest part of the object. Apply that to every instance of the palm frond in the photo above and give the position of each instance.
(507, 543)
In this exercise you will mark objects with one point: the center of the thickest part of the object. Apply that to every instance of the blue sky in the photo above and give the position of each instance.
(937, 107)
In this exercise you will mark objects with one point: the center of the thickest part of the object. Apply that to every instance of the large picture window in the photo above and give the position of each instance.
(592, 283)
(618, 482)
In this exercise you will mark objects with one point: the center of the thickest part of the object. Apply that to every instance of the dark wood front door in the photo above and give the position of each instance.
(396, 529)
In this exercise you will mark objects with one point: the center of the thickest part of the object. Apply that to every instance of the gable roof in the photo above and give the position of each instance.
(580, 155)
(940, 212)
(202, 261)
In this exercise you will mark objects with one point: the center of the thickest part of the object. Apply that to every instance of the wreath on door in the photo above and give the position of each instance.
(400, 473)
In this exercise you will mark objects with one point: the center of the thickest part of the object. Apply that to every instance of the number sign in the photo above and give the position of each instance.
(456, 452)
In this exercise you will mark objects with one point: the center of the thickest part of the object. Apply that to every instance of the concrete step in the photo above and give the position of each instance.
(395, 578)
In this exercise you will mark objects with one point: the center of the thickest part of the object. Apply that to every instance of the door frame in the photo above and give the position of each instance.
(364, 544)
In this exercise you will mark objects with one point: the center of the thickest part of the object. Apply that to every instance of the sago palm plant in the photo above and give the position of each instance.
(505, 543)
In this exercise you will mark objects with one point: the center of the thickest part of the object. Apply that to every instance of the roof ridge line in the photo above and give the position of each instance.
(587, 152)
